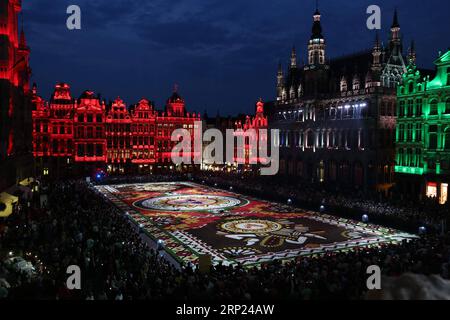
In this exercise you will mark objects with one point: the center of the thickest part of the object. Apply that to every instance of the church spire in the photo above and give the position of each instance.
(293, 58)
(316, 47)
(280, 82)
(317, 27)
(376, 53)
(412, 53)
(22, 39)
(395, 44)
(395, 23)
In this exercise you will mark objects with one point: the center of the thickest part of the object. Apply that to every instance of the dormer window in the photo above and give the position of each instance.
(355, 84)
(343, 85)
(283, 95)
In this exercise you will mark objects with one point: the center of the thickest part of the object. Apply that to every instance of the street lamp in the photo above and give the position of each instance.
(422, 230)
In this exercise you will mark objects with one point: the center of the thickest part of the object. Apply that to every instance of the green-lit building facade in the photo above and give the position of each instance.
(423, 131)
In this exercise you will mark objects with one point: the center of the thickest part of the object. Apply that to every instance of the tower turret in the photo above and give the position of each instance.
(175, 104)
(280, 82)
(293, 58)
(376, 53)
(395, 43)
(412, 54)
(316, 47)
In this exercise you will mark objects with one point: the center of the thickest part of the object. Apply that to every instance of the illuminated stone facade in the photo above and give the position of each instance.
(15, 106)
(423, 131)
(337, 117)
(68, 131)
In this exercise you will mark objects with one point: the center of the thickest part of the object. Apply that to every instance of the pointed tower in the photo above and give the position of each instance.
(376, 53)
(395, 41)
(393, 65)
(293, 58)
(316, 46)
(15, 101)
(9, 32)
(412, 54)
(280, 82)
(24, 71)
(260, 120)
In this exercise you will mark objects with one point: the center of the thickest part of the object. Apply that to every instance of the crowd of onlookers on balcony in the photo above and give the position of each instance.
(78, 227)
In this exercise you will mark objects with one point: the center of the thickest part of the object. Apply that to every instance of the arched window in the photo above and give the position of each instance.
(433, 107)
(411, 87)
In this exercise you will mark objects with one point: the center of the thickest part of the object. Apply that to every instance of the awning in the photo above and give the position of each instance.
(8, 200)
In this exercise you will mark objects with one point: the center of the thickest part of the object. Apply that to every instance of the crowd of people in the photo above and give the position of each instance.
(79, 227)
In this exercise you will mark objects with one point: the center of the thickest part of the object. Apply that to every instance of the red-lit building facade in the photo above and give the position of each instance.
(251, 125)
(68, 132)
(15, 104)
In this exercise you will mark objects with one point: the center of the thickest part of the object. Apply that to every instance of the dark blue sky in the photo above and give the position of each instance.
(222, 54)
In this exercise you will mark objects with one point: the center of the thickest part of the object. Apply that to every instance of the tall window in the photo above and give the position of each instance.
(80, 150)
(448, 76)
(401, 111)
(447, 139)
(432, 137)
(409, 160)
(418, 132)
(400, 157)
(310, 139)
(411, 87)
(419, 107)
(401, 132)
(419, 158)
(409, 132)
(410, 108)
(447, 106)
(433, 107)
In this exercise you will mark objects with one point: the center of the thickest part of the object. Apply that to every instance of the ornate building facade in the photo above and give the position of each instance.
(337, 117)
(15, 104)
(423, 131)
(241, 125)
(68, 131)
(242, 129)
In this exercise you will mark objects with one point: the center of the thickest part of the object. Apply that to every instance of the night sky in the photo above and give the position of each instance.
(222, 54)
